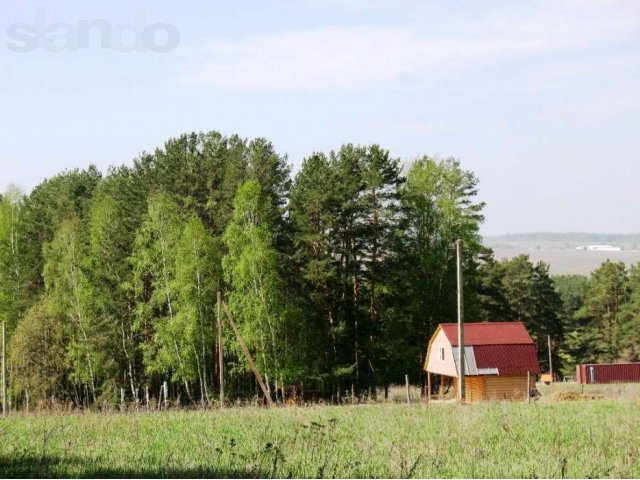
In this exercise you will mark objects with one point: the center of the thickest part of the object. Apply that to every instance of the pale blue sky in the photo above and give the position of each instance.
(540, 99)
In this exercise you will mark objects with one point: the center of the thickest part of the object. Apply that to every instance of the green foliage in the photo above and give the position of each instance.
(154, 272)
(338, 277)
(630, 329)
(315, 280)
(197, 278)
(71, 297)
(176, 271)
(37, 356)
(15, 261)
(251, 269)
(110, 245)
(439, 207)
(66, 195)
(516, 289)
(600, 317)
(573, 292)
(439, 203)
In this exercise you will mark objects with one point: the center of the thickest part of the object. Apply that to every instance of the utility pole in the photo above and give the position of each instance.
(220, 349)
(252, 364)
(461, 366)
(550, 361)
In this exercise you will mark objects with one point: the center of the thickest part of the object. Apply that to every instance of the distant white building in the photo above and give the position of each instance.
(599, 248)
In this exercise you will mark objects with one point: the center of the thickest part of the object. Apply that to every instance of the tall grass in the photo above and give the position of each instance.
(622, 391)
(508, 440)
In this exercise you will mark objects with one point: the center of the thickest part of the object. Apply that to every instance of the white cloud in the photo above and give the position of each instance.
(360, 56)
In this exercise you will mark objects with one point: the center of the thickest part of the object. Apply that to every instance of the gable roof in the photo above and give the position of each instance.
(507, 359)
(496, 348)
(489, 333)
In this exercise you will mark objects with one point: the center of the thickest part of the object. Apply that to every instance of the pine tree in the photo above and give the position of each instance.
(313, 212)
(572, 290)
(66, 195)
(602, 328)
(630, 330)
(379, 218)
(347, 240)
(491, 297)
(525, 292)
(546, 320)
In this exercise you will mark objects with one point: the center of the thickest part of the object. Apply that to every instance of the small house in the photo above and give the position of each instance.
(501, 360)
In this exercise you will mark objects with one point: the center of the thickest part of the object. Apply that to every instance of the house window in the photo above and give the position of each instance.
(442, 353)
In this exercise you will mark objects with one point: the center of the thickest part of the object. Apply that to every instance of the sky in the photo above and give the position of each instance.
(540, 99)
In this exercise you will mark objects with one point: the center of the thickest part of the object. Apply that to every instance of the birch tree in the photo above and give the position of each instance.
(439, 205)
(197, 279)
(71, 297)
(154, 265)
(14, 266)
(109, 244)
(251, 269)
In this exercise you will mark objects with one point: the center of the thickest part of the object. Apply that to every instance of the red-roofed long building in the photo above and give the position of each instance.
(499, 357)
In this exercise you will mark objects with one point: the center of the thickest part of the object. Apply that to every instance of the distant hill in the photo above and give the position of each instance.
(568, 240)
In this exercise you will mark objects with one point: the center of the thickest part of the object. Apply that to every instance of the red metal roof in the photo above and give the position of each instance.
(489, 333)
(510, 360)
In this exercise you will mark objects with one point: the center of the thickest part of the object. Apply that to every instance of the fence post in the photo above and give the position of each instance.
(165, 387)
(406, 380)
(550, 358)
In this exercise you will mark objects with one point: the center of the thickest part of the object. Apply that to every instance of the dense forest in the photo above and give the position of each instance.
(337, 276)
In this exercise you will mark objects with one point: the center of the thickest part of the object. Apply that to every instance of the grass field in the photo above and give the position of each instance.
(555, 439)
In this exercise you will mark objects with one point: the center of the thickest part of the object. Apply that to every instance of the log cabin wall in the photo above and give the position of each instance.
(507, 388)
(474, 388)
(495, 387)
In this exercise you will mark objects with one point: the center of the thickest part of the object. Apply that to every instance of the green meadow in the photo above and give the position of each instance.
(584, 439)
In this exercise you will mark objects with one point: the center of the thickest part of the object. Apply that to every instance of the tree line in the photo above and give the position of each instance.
(337, 276)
